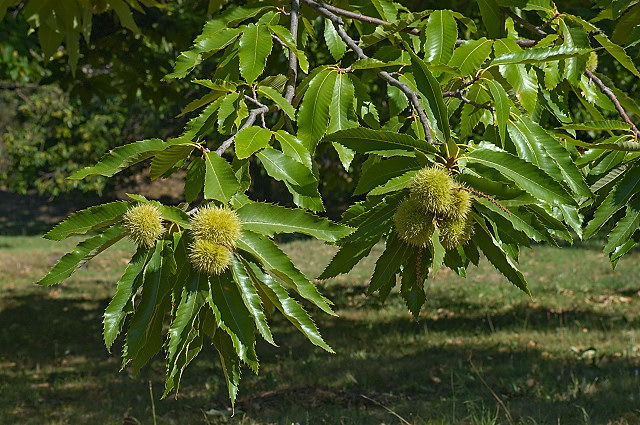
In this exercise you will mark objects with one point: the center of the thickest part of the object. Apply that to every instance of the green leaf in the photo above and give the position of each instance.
(539, 55)
(562, 161)
(283, 168)
(294, 148)
(336, 46)
(194, 181)
(251, 299)
(348, 256)
(313, 117)
(119, 158)
(394, 255)
(219, 181)
(385, 31)
(395, 184)
(615, 200)
(491, 17)
(193, 296)
(442, 33)
(89, 219)
(496, 255)
(430, 89)
(278, 100)
(625, 227)
(250, 140)
(166, 159)
(383, 171)
(127, 286)
(384, 143)
(289, 307)
(598, 126)
(625, 25)
(233, 317)
(285, 36)
(144, 337)
(270, 219)
(412, 284)
(82, 253)
(188, 60)
(471, 55)
(230, 363)
(278, 263)
(523, 81)
(527, 176)
(255, 47)
(342, 107)
(502, 106)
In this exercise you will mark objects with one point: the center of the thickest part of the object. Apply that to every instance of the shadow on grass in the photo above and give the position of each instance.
(54, 369)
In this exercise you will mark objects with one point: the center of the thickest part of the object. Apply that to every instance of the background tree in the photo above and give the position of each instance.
(462, 139)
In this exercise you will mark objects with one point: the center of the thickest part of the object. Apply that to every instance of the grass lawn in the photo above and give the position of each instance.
(481, 353)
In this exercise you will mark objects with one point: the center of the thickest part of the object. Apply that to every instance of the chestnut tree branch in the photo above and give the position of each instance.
(609, 93)
(411, 95)
(253, 115)
(290, 90)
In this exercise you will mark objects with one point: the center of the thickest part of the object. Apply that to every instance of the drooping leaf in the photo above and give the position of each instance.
(254, 49)
(526, 175)
(285, 36)
(442, 33)
(523, 81)
(194, 182)
(286, 305)
(233, 317)
(491, 17)
(251, 299)
(230, 363)
(144, 337)
(278, 263)
(336, 46)
(88, 219)
(117, 159)
(270, 219)
(82, 253)
(383, 171)
(219, 181)
(394, 255)
(283, 168)
(250, 140)
(192, 298)
(430, 89)
(625, 228)
(166, 159)
(496, 255)
(615, 200)
(438, 251)
(127, 286)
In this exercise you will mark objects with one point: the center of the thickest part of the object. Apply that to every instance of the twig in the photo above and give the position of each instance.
(609, 93)
(403, 420)
(411, 95)
(290, 90)
(412, 31)
(498, 399)
(548, 21)
(524, 23)
(253, 114)
(153, 404)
